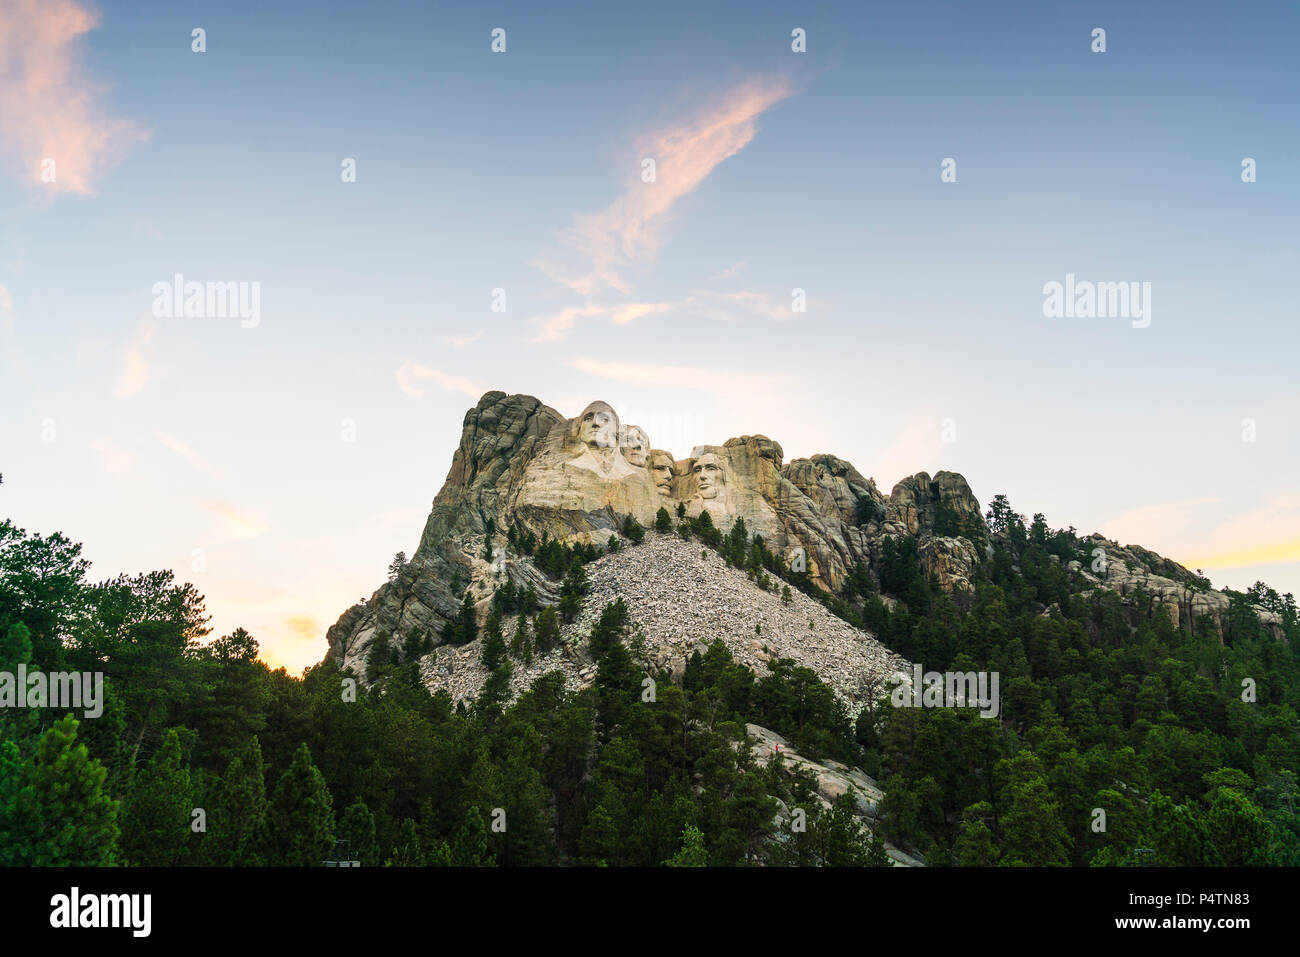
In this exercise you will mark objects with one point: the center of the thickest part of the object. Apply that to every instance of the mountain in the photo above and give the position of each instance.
(524, 478)
(643, 662)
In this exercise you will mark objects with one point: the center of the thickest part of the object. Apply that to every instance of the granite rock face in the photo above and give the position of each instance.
(522, 464)
(831, 780)
(499, 437)
(1131, 571)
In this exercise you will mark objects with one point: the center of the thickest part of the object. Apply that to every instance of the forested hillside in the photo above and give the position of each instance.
(204, 755)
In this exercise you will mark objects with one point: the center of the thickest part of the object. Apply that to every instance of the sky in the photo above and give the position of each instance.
(796, 265)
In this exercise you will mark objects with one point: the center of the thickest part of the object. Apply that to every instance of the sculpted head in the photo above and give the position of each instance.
(662, 467)
(597, 426)
(636, 446)
(707, 475)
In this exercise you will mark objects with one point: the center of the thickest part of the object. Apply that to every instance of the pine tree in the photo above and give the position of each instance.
(357, 827)
(18, 724)
(837, 835)
(663, 521)
(54, 808)
(610, 628)
(237, 824)
(407, 852)
(1238, 829)
(527, 838)
(877, 855)
(633, 530)
(470, 846)
(440, 856)
(599, 844)
(617, 687)
(975, 846)
(736, 545)
(693, 853)
(396, 565)
(155, 816)
(1030, 815)
(706, 530)
(302, 814)
(546, 627)
(521, 643)
(15, 647)
(462, 629)
(572, 589)
(496, 689)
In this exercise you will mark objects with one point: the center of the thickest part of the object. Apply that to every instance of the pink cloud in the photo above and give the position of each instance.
(555, 327)
(630, 229)
(50, 109)
(410, 375)
(137, 366)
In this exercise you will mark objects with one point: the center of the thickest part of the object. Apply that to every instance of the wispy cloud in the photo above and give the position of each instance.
(557, 325)
(410, 374)
(700, 304)
(187, 453)
(235, 524)
(460, 342)
(137, 361)
(50, 109)
(739, 305)
(599, 246)
(304, 628)
(731, 271)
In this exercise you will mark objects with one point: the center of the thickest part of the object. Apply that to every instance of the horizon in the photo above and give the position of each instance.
(796, 267)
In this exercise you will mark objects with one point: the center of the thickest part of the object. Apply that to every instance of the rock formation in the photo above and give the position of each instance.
(1130, 571)
(522, 465)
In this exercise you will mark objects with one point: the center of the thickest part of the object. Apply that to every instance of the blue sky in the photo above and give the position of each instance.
(671, 300)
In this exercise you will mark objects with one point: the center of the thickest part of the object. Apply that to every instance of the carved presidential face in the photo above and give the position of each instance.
(598, 426)
(708, 475)
(662, 467)
(636, 446)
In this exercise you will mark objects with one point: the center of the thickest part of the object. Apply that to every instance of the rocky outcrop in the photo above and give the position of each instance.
(951, 559)
(520, 464)
(831, 780)
(499, 437)
(917, 503)
(1130, 571)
